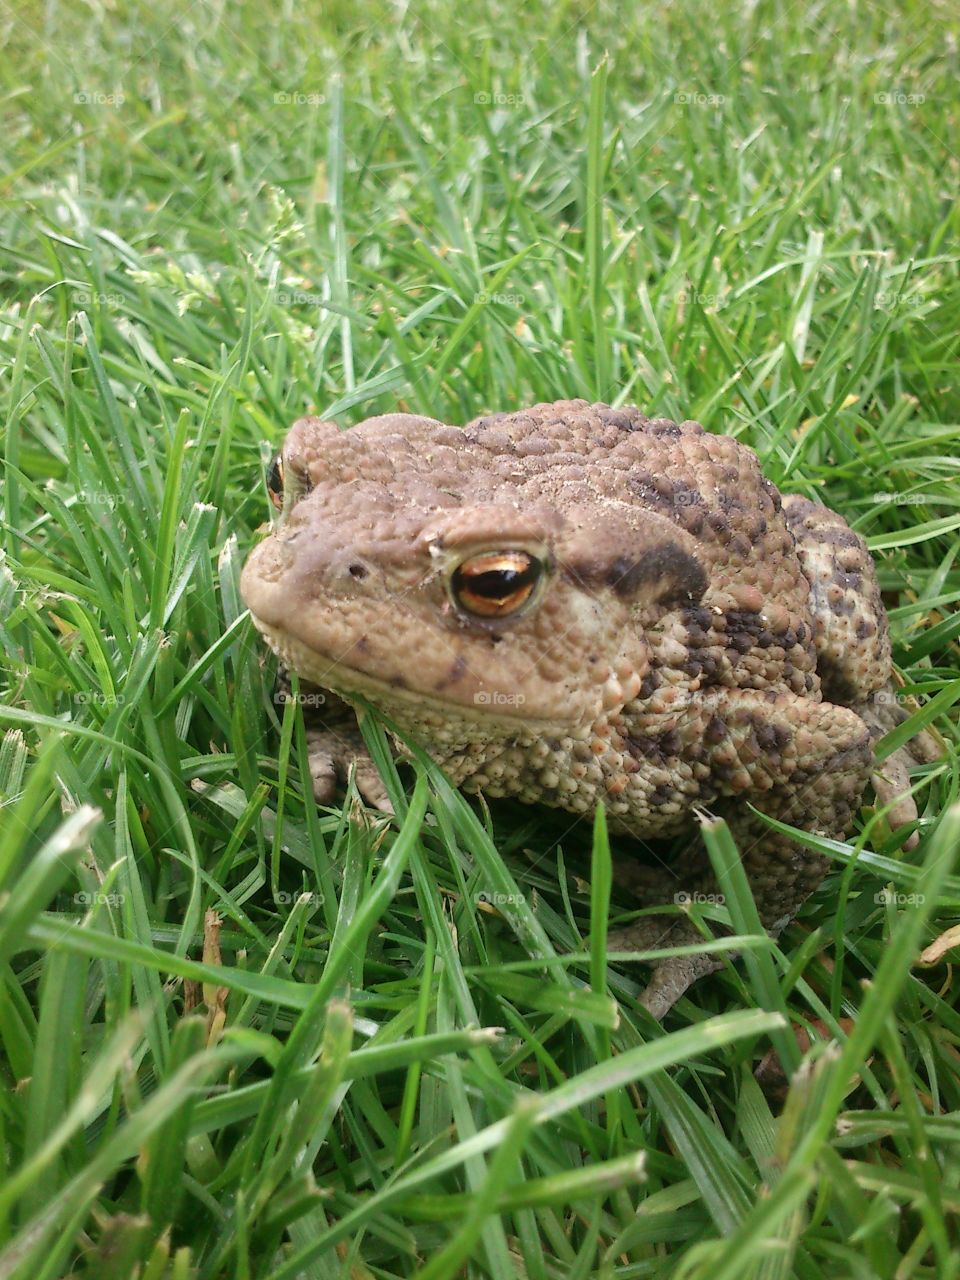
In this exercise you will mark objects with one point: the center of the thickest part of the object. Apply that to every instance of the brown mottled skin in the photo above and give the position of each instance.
(695, 641)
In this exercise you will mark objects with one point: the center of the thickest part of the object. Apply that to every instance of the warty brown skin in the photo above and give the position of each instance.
(693, 641)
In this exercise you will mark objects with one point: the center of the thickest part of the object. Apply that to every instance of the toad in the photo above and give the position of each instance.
(574, 604)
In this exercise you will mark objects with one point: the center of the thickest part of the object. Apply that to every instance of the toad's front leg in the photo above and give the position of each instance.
(335, 745)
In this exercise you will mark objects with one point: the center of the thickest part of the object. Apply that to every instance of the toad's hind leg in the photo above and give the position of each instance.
(853, 643)
(813, 780)
(850, 622)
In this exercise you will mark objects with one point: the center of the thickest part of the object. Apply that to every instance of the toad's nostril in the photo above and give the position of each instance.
(358, 571)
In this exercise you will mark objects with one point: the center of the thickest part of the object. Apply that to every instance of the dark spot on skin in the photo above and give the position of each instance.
(658, 748)
(699, 624)
(745, 630)
(711, 670)
(719, 524)
(670, 743)
(840, 538)
(686, 496)
(716, 731)
(798, 508)
(649, 684)
(358, 571)
(730, 501)
(865, 628)
(692, 519)
(662, 794)
(622, 419)
(457, 669)
(771, 737)
(651, 491)
(772, 492)
(740, 545)
(843, 604)
(673, 573)
(703, 618)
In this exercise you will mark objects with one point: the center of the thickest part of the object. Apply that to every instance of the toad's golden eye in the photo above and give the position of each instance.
(495, 584)
(275, 482)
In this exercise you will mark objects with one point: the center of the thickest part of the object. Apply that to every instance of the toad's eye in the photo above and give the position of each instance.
(275, 482)
(495, 584)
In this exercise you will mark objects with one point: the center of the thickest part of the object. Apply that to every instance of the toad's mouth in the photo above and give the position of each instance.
(502, 714)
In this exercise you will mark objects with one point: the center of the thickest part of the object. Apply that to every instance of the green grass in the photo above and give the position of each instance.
(741, 214)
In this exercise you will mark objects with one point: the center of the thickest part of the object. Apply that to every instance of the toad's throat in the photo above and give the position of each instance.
(490, 714)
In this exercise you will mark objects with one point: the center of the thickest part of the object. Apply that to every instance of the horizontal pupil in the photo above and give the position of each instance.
(499, 584)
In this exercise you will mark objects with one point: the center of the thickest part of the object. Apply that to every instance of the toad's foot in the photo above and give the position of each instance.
(883, 711)
(332, 753)
(674, 974)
